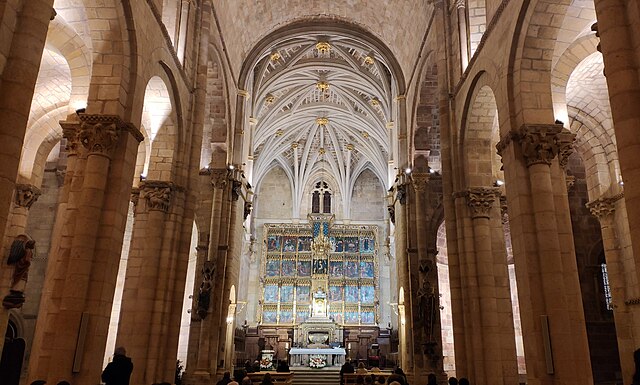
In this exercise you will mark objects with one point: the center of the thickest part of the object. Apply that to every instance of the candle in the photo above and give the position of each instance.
(349, 345)
(286, 345)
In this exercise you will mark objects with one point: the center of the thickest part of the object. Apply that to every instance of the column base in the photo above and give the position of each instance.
(196, 378)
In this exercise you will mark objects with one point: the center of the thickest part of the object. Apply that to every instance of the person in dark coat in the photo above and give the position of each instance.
(347, 368)
(119, 370)
(226, 378)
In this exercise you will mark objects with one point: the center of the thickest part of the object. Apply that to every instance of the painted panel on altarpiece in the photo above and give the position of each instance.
(368, 317)
(351, 269)
(320, 266)
(351, 244)
(286, 293)
(271, 293)
(302, 293)
(367, 294)
(335, 293)
(302, 315)
(289, 244)
(367, 270)
(288, 268)
(270, 316)
(286, 316)
(304, 244)
(336, 315)
(351, 317)
(273, 268)
(273, 243)
(304, 268)
(367, 245)
(337, 244)
(351, 294)
(336, 269)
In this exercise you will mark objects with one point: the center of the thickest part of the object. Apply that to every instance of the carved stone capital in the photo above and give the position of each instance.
(460, 4)
(504, 209)
(157, 194)
(70, 131)
(565, 147)
(99, 134)
(540, 143)
(219, 178)
(135, 196)
(602, 208)
(26, 195)
(480, 200)
(419, 181)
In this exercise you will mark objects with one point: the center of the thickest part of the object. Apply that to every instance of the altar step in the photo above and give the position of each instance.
(309, 376)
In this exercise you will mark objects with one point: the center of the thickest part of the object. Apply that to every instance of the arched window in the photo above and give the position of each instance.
(321, 198)
(315, 202)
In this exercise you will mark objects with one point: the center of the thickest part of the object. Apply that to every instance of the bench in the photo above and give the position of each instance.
(350, 378)
(278, 378)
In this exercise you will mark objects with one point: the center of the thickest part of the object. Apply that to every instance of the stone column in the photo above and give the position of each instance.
(18, 81)
(149, 285)
(427, 331)
(463, 32)
(554, 335)
(618, 30)
(498, 358)
(399, 216)
(72, 328)
(623, 311)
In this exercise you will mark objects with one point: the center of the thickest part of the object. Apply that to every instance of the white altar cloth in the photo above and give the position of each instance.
(300, 356)
(324, 351)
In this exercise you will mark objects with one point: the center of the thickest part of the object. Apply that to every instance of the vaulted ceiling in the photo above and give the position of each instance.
(321, 104)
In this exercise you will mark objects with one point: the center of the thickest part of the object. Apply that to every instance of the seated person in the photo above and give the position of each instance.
(347, 368)
(362, 369)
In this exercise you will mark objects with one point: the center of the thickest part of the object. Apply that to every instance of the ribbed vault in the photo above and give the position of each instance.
(321, 104)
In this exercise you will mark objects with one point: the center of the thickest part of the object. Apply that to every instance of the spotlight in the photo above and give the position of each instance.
(407, 170)
(231, 167)
(498, 183)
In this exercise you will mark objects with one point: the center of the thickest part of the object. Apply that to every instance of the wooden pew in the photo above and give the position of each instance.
(278, 378)
(350, 378)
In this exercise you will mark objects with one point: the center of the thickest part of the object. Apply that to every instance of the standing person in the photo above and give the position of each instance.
(119, 370)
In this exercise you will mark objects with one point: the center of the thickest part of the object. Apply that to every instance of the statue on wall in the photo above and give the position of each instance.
(20, 256)
(204, 292)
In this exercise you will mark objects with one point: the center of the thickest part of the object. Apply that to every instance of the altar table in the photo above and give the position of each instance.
(300, 356)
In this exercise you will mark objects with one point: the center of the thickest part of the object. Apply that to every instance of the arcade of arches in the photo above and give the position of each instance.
(448, 186)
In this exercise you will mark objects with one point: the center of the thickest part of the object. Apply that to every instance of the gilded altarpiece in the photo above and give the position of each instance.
(301, 278)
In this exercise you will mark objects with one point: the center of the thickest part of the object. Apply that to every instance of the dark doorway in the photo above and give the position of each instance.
(12, 356)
